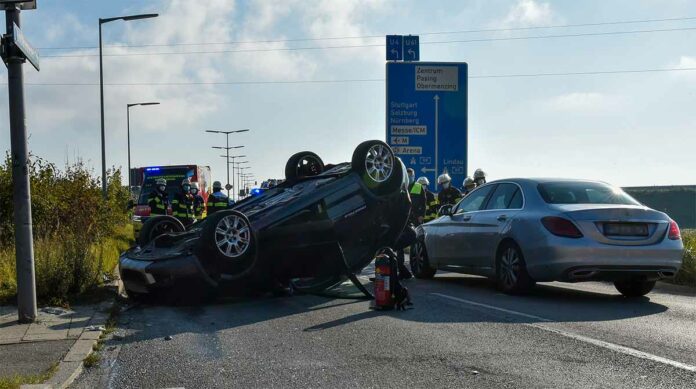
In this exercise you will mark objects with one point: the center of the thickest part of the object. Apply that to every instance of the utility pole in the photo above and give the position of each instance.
(128, 107)
(227, 136)
(15, 50)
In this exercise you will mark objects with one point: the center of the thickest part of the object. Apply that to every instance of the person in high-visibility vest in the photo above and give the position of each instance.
(157, 199)
(448, 194)
(217, 201)
(182, 204)
(430, 200)
(198, 202)
(418, 200)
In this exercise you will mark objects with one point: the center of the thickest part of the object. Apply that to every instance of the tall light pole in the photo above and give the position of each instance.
(227, 137)
(239, 171)
(101, 86)
(128, 106)
(228, 156)
(227, 149)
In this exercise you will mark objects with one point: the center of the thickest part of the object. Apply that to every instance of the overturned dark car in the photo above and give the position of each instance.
(322, 223)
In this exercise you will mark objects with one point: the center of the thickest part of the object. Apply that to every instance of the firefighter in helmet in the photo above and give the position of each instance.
(217, 201)
(448, 194)
(430, 199)
(469, 185)
(182, 204)
(198, 202)
(479, 177)
(158, 199)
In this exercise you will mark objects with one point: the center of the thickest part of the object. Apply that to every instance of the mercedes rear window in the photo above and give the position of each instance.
(581, 192)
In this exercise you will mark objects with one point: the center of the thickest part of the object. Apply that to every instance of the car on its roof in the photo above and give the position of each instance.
(521, 231)
(321, 223)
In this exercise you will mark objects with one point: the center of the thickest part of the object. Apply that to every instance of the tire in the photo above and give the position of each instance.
(227, 249)
(303, 164)
(159, 225)
(420, 265)
(378, 167)
(634, 287)
(511, 270)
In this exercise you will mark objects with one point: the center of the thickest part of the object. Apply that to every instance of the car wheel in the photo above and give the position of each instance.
(377, 166)
(420, 265)
(511, 270)
(634, 287)
(159, 225)
(227, 250)
(303, 164)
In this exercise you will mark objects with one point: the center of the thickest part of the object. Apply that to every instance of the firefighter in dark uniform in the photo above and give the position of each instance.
(448, 194)
(416, 217)
(469, 185)
(217, 201)
(430, 200)
(479, 177)
(198, 202)
(182, 204)
(157, 199)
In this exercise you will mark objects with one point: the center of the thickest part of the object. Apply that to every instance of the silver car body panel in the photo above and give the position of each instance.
(468, 242)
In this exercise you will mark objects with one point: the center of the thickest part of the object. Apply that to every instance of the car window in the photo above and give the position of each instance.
(516, 201)
(502, 196)
(583, 192)
(475, 200)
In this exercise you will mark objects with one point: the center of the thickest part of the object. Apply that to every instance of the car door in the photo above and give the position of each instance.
(457, 243)
(489, 224)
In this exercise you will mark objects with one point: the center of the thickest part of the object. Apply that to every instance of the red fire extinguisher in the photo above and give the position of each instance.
(384, 298)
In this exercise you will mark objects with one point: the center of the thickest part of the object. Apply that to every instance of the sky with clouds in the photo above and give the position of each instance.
(628, 129)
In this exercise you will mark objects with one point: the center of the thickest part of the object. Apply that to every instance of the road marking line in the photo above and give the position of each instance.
(596, 342)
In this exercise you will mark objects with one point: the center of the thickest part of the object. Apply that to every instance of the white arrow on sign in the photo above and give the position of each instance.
(413, 53)
(424, 170)
(437, 125)
(395, 52)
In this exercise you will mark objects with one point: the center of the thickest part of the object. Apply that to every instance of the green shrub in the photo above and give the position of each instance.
(687, 273)
(77, 235)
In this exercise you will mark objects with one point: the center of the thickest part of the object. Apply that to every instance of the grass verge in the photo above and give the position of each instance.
(687, 273)
(16, 381)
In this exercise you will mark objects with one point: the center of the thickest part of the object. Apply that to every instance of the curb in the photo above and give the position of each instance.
(70, 367)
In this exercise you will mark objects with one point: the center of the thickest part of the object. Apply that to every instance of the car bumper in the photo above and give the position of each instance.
(147, 276)
(573, 260)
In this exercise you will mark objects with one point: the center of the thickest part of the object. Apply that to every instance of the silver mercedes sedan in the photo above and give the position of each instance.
(520, 231)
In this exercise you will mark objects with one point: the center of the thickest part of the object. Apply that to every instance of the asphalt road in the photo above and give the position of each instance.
(461, 333)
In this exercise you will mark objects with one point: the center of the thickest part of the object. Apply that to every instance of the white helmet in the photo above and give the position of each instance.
(443, 179)
(423, 181)
(161, 181)
(469, 183)
(478, 174)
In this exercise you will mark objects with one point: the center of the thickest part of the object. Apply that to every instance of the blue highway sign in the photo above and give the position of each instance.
(427, 117)
(395, 47)
(411, 48)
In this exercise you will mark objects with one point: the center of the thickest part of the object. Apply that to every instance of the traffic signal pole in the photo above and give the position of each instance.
(21, 193)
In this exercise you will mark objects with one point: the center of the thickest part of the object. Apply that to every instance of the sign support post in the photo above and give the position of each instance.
(14, 58)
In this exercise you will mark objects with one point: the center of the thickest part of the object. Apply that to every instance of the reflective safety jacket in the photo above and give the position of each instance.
(217, 201)
(431, 206)
(182, 207)
(199, 207)
(157, 202)
(418, 202)
(450, 195)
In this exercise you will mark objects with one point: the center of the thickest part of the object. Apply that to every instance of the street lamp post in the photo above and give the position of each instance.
(101, 87)
(227, 136)
(239, 172)
(227, 157)
(128, 106)
(227, 149)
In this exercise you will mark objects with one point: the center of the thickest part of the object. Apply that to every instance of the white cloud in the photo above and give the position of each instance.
(686, 62)
(529, 13)
(584, 102)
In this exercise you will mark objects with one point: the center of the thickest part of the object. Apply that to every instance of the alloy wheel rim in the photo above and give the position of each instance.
(509, 267)
(232, 236)
(419, 256)
(161, 229)
(379, 163)
(308, 161)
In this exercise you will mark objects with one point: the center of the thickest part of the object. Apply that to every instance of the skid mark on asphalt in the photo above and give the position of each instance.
(586, 339)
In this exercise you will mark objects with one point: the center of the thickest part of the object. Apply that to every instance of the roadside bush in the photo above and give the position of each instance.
(77, 235)
(687, 273)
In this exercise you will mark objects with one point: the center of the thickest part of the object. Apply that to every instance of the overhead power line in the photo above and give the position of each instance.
(361, 80)
(379, 36)
(370, 45)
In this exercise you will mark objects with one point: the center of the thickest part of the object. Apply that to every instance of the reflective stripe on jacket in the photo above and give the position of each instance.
(157, 203)
(217, 201)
